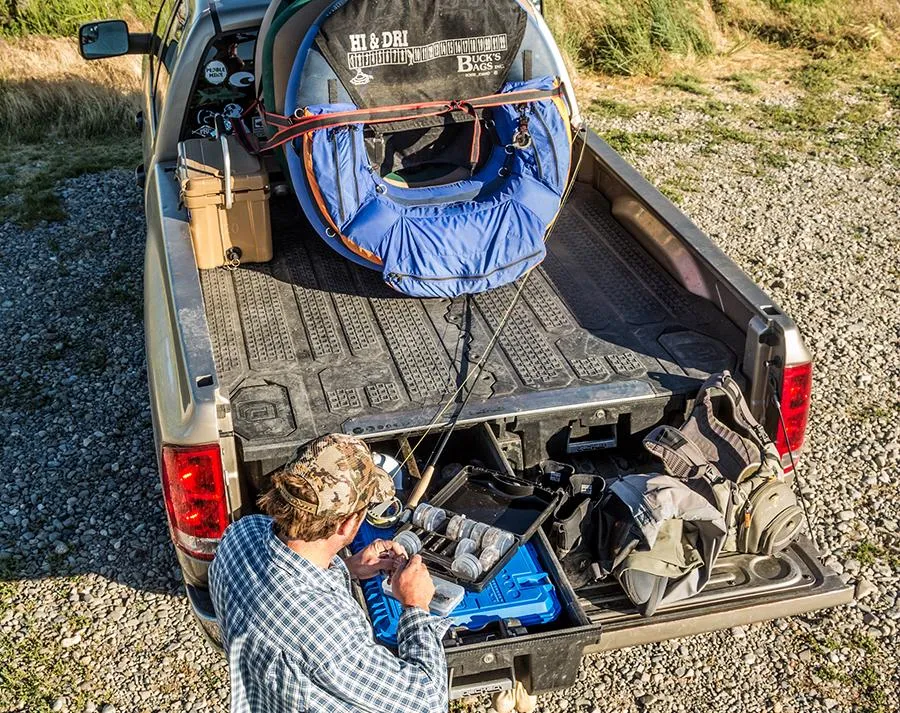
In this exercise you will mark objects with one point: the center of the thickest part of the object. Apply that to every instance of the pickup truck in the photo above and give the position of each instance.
(631, 310)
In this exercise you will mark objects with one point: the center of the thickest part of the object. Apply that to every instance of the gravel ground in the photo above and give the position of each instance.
(92, 611)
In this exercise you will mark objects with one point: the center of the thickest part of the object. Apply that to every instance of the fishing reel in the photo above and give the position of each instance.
(386, 514)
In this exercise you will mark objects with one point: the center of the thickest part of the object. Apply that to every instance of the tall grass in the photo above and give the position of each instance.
(48, 91)
(636, 36)
(629, 37)
(60, 117)
(61, 18)
(817, 25)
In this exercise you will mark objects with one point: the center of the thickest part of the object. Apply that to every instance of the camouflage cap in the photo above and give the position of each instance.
(340, 471)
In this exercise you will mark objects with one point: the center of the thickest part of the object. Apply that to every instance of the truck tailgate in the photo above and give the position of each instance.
(311, 343)
(743, 589)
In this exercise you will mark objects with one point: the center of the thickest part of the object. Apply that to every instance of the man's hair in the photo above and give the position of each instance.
(290, 521)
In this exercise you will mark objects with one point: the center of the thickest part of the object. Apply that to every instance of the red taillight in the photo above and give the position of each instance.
(795, 391)
(194, 490)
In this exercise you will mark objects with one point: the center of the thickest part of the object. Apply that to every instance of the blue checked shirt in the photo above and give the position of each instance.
(297, 640)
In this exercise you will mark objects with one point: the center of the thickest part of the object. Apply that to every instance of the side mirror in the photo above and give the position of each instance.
(106, 38)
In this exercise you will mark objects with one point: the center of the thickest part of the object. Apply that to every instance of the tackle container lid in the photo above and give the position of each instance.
(497, 499)
(201, 168)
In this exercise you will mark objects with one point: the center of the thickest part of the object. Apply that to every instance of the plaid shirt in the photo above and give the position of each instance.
(297, 640)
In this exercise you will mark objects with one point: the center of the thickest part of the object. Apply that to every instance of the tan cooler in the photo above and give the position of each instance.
(225, 236)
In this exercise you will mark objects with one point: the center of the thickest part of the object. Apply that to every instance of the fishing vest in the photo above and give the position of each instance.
(723, 453)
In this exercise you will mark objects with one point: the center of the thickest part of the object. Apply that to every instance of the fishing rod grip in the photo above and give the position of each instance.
(416, 495)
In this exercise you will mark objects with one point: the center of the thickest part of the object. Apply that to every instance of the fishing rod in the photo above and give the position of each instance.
(428, 472)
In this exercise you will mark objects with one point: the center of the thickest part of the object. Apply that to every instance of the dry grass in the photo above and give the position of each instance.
(645, 37)
(60, 117)
(630, 38)
(816, 25)
(47, 90)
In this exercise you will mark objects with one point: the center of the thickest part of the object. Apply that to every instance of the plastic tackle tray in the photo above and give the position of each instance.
(496, 499)
(522, 590)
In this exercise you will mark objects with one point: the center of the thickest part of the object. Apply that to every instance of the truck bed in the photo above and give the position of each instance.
(311, 343)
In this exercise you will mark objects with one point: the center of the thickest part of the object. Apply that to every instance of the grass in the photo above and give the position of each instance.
(868, 553)
(634, 141)
(637, 38)
(816, 25)
(856, 683)
(60, 117)
(743, 82)
(686, 83)
(676, 186)
(61, 18)
(865, 685)
(611, 107)
(628, 38)
(719, 132)
(32, 174)
(33, 671)
(47, 90)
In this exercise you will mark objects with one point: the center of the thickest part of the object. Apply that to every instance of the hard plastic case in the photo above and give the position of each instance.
(521, 591)
(217, 232)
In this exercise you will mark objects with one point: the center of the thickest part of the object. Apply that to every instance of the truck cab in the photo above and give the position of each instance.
(632, 309)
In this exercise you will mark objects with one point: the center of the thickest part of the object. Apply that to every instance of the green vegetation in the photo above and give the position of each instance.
(686, 83)
(857, 681)
(33, 671)
(717, 131)
(676, 186)
(61, 18)
(30, 174)
(610, 107)
(743, 83)
(636, 37)
(628, 38)
(865, 685)
(66, 107)
(634, 141)
(816, 25)
(867, 553)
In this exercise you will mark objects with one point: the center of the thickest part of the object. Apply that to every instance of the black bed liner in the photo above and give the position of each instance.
(311, 343)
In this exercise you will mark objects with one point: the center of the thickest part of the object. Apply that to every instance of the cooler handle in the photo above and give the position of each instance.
(222, 131)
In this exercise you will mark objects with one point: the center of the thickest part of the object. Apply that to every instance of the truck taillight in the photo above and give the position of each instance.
(194, 490)
(795, 392)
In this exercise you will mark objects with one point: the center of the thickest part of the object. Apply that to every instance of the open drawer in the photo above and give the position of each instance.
(598, 617)
(544, 656)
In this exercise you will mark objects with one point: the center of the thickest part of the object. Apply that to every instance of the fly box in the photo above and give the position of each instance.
(471, 528)
(226, 192)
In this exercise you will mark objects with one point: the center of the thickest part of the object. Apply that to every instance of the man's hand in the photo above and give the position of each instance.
(412, 585)
(380, 556)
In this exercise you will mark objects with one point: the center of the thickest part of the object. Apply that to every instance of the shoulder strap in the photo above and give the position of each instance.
(681, 458)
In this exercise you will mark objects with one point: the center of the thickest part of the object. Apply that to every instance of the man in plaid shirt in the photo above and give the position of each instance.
(295, 637)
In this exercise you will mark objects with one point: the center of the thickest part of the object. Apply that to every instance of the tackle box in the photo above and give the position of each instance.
(522, 591)
(497, 499)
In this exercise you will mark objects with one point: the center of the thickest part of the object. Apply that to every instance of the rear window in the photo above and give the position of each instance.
(225, 83)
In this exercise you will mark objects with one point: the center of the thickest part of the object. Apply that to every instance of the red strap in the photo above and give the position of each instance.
(294, 127)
